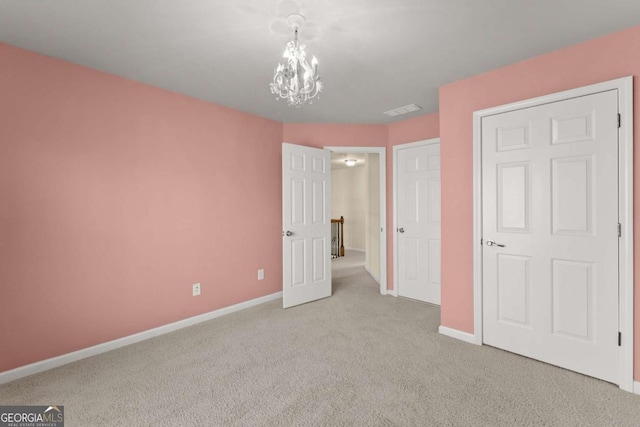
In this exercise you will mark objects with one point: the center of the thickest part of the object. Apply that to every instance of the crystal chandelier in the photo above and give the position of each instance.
(296, 80)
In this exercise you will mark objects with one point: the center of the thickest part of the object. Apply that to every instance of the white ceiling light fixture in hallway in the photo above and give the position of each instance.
(296, 80)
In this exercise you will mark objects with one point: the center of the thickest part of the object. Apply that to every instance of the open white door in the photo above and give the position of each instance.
(306, 224)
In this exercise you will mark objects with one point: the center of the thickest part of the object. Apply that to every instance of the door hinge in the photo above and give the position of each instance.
(619, 339)
(619, 120)
(619, 230)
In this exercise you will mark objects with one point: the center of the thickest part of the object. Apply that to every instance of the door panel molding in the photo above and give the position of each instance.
(624, 87)
(306, 229)
(432, 162)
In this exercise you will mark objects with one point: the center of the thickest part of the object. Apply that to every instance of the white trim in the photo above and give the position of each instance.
(624, 86)
(636, 387)
(459, 335)
(382, 176)
(54, 362)
(625, 212)
(354, 249)
(477, 228)
(416, 144)
(396, 148)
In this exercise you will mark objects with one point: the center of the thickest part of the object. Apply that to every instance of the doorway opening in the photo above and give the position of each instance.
(358, 195)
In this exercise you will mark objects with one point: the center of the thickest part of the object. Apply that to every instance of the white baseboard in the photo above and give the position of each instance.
(636, 387)
(54, 362)
(459, 335)
(354, 249)
(392, 292)
(372, 275)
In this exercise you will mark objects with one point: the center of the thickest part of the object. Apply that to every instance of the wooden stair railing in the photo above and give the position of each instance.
(337, 237)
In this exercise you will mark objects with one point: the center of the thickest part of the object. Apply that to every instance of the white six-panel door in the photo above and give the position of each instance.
(306, 224)
(550, 236)
(418, 222)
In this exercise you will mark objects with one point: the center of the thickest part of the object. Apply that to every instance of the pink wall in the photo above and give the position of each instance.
(415, 129)
(595, 61)
(335, 135)
(115, 197)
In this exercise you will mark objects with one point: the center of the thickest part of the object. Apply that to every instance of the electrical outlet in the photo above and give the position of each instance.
(196, 289)
(261, 274)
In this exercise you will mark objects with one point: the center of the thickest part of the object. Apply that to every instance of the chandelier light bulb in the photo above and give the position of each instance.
(351, 162)
(296, 80)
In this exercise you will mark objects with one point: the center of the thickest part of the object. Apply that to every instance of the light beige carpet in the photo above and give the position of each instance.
(355, 359)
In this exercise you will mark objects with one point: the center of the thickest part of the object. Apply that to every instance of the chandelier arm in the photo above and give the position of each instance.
(296, 80)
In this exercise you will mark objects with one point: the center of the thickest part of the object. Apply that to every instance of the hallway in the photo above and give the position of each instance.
(349, 271)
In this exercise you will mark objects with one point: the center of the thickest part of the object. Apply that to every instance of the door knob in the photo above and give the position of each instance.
(492, 243)
(400, 230)
(287, 233)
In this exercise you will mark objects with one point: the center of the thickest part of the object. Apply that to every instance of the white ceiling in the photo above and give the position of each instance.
(374, 55)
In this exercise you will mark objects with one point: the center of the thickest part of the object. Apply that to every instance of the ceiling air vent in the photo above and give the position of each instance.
(403, 110)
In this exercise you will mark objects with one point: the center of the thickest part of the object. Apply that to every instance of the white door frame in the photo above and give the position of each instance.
(382, 179)
(396, 148)
(625, 210)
